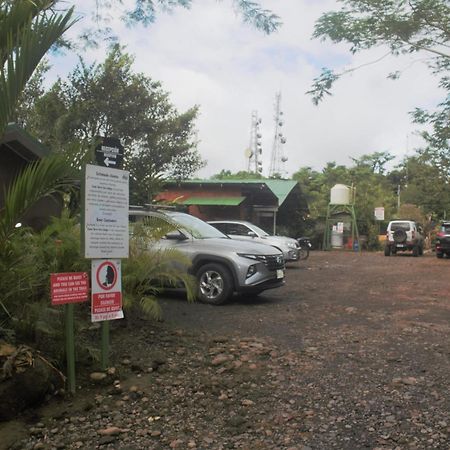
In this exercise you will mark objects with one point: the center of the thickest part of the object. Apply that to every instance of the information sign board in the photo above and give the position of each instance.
(69, 287)
(106, 202)
(106, 290)
(379, 213)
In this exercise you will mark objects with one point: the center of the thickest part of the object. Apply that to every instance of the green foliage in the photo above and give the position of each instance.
(27, 31)
(145, 12)
(240, 175)
(148, 269)
(159, 141)
(373, 189)
(403, 27)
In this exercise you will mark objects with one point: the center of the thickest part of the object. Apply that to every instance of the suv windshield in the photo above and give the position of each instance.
(197, 227)
(400, 226)
(260, 231)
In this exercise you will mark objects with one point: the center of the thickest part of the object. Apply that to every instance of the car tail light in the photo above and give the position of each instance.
(413, 234)
(441, 234)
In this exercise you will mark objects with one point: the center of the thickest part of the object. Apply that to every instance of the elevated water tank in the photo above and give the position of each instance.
(340, 195)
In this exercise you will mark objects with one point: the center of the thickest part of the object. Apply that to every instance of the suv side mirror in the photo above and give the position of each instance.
(252, 234)
(175, 236)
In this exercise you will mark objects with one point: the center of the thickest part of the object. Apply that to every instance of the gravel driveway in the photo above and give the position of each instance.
(353, 353)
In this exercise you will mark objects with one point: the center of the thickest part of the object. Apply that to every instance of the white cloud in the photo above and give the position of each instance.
(207, 56)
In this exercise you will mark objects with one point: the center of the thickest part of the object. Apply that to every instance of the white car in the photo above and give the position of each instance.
(240, 229)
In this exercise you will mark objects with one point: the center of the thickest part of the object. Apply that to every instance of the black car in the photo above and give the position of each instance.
(443, 240)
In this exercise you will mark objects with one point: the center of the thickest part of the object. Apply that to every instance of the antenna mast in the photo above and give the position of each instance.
(254, 150)
(278, 159)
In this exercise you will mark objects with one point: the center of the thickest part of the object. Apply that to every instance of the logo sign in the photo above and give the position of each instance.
(379, 213)
(106, 290)
(69, 287)
(109, 153)
(106, 200)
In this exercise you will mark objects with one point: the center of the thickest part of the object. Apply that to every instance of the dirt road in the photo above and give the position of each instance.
(353, 353)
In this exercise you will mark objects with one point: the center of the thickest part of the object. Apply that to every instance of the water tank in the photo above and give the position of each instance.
(340, 195)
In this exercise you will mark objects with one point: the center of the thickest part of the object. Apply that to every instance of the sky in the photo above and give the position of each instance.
(208, 56)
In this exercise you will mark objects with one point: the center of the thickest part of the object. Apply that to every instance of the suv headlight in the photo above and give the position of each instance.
(291, 245)
(261, 258)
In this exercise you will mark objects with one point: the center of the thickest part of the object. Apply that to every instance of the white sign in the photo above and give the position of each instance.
(106, 204)
(379, 213)
(106, 301)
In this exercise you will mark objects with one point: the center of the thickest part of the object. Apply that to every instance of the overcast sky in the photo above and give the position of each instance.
(209, 57)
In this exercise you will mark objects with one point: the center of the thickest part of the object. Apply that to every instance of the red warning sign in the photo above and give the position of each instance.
(69, 287)
(106, 290)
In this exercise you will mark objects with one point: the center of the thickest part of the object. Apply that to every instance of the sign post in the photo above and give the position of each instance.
(106, 299)
(105, 233)
(66, 289)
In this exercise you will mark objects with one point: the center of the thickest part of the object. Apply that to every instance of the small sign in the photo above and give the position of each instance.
(106, 290)
(109, 153)
(105, 201)
(379, 213)
(69, 287)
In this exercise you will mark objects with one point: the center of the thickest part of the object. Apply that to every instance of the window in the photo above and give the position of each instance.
(237, 229)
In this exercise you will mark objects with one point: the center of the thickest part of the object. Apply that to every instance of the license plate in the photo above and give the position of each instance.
(400, 245)
(280, 273)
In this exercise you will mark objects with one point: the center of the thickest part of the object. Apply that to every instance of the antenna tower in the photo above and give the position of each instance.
(254, 150)
(278, 159)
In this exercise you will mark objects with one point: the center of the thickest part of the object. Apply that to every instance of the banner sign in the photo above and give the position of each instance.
(69, 287)
(106, 290)
(106, 201)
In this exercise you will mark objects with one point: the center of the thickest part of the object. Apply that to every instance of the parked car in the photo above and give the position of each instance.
(403, 235)
(221, 267)
(442, 244)
(241, 229)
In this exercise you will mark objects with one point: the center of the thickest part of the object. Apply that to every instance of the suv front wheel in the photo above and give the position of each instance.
(215, 284)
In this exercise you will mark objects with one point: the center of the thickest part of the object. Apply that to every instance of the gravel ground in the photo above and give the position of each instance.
(353, 353)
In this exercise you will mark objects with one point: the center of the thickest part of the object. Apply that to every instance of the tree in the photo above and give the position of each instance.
(27, 31)
(109, 99)
(240, 175)
(403, 27)
(145, 12)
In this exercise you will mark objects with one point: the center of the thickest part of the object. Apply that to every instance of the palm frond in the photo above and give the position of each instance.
(42, 178)
(26, 36)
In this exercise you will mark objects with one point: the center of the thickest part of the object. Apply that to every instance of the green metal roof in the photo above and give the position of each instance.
(222, 201)
(280, 188)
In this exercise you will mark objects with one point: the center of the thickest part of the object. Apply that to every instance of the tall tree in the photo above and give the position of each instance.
(109, 99)
(402, 27)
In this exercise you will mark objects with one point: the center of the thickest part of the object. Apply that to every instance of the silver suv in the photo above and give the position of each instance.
(221, 265)
(403, 235)
(241, 229)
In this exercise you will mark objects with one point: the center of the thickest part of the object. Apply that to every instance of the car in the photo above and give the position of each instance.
(404, 235)
(241, 229)
(220, 265)
(442, 244)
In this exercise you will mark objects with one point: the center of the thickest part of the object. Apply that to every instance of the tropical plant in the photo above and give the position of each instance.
(27, 31)
(149, 270)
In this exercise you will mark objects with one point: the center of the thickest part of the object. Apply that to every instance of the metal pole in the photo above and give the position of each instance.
(105, 345)
(398, 199)
(70, 347)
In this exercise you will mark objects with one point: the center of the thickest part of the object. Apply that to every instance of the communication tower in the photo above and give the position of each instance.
(254, 151)
(278, 159)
